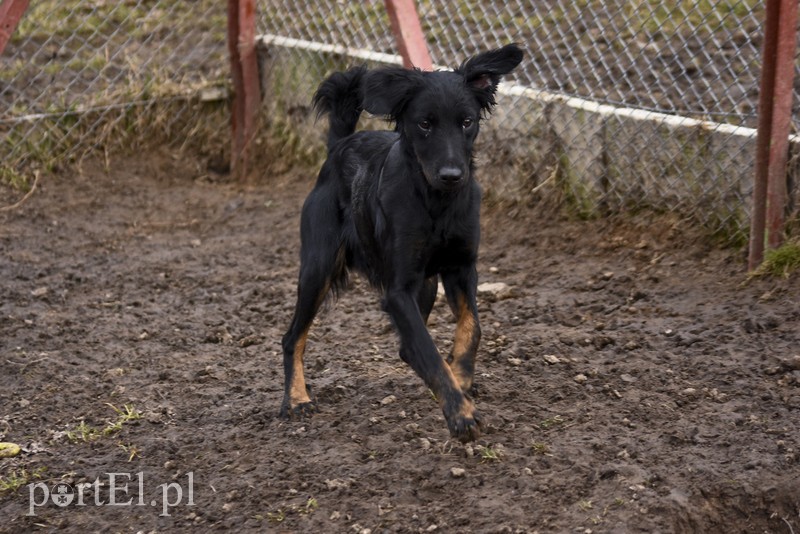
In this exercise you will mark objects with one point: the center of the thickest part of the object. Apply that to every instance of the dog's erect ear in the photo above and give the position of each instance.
(388, 90)
(482, 73)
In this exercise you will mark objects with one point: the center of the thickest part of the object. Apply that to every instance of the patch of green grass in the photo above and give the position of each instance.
(126, 414)
(540, 449)
(18, 478)
(276, 517)
(781, 261)
(551, 422)
(86, 433)
(488, 454)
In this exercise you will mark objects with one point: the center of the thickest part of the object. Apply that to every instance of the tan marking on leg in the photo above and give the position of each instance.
(464, 344)
(467, 409)
(297, 389)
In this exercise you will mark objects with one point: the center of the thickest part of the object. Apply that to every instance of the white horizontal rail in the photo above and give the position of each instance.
(542, 95)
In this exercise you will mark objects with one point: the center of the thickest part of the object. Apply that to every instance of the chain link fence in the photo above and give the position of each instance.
(618, 104)
(80, 76)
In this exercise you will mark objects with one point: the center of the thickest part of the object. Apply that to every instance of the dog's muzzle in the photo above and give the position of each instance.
(450, 177)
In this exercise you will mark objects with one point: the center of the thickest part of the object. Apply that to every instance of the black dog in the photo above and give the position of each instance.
(402, 208)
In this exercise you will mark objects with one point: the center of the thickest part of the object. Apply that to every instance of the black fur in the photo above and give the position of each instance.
(403, 208)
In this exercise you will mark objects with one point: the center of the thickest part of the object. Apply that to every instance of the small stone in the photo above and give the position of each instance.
(527, 470)
(458, 472)
(424, 444)
(39, 292)
(514, 361)
(227, 507)
(551, 359)
(498, 290)
(627, 378)
(335, 515)
(580, 378)
(388, 400)
(338, 483)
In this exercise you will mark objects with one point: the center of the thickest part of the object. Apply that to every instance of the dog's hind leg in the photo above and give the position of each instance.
(427, 296)
(460, 289)
(322, 265)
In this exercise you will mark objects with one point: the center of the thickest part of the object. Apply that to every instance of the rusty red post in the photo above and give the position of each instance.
(11, 12)
(766, 90)
(781, 122)
(408, 34)
(246, 86)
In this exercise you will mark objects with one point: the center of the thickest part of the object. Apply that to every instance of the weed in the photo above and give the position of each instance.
(131, 450)
(311, 505)
(488, 454)
(276, 517)
(17, 479)
(541, 448)
(781, 261)
(551, 422)
(84, 432)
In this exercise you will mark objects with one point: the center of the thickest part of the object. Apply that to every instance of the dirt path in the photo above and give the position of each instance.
(631, 382)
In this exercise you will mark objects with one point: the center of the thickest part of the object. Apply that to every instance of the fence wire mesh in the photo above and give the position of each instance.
(618, 104)
(627, 104)
(85, 74)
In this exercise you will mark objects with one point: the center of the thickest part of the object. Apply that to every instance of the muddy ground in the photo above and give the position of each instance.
(631, 381)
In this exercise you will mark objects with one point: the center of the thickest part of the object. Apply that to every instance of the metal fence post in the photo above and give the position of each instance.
(774, 122)
(11, 12)
(408, 34)
(244, 71)
(781, 122)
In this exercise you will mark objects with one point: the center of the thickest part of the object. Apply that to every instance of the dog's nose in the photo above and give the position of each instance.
(450, 175)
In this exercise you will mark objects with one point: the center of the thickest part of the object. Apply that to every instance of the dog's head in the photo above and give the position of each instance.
(438, 113)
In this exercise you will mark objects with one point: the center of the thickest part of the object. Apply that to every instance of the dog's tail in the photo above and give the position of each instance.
(340, 96)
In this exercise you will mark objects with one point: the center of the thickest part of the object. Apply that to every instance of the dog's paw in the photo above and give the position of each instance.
(302, 411)
(466, 424)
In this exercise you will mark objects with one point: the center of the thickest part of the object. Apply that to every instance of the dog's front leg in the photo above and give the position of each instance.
(418, 350)
(460, 287)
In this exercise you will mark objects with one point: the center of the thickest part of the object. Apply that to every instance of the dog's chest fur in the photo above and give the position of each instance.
(435, 229)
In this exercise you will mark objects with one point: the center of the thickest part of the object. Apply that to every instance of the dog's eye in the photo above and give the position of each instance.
(425, 125)
(467, 122)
